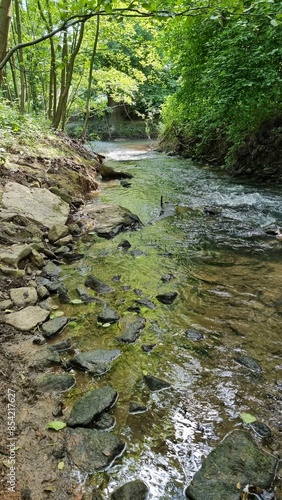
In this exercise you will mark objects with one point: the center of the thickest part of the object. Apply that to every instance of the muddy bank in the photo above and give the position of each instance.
(258, 157)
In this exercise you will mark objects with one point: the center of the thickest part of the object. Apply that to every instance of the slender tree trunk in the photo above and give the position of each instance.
(52, 94)
(5, 21)
(14, 77)
(88, 100)
(21, 59)
(60, 115)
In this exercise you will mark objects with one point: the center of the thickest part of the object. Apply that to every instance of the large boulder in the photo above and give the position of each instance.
(236, 461)
(29, 202)
(96, 362)
(90, 406)
(108, 220)
(91, 450)
(132, 329)
(26, 319)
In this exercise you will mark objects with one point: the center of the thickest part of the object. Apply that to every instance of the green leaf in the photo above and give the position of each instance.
(247, 418)
(57, 425)
(274, 23)
(61, 465)
(76, 301)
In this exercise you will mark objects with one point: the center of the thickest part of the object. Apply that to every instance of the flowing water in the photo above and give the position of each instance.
(227, 272)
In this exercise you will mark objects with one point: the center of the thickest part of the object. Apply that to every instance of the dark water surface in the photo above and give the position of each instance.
(228, 274)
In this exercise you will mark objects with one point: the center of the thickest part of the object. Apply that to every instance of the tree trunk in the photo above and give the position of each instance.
(60, 115)
(88, 101)
(5, 20)
(21, 59)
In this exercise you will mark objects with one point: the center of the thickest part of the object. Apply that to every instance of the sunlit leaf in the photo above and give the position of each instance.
(57, 425)
(247, 418)
(76, 301)
(61, 465)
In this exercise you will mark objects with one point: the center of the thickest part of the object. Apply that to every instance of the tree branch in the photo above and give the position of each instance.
(126, 12)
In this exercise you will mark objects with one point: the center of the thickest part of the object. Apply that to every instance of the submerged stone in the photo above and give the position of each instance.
(85, 296)
(51, 270)
(108, 315)
(148, 347)
(261, 429)
(96, 362)
(167, 277)
(108, 220)
(194, 335)
(236, 460)
(132, 330)
(155, 384)
(61, 346)
(97, 285)
(87, 408)
(53, 326)
(55, 382)
(137, 407)
(124, 244)
(105, 422)
(133, 490)
(167, 298)
(249, 363)
(91, 450)
(146, 303)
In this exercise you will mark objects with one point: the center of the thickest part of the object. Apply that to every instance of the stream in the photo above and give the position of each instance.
(211, 241)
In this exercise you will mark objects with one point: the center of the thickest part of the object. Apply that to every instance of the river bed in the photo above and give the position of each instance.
(227, 272)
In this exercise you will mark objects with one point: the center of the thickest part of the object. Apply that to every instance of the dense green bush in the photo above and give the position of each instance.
(230, 81)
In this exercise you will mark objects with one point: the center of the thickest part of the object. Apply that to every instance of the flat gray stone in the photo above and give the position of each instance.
(85, 296)
(249, 363)
(108, 220)
(53, 326)
(96, 362)
(108, 315)
(87, 408)
(14, 254)
(90, 450)
(98, 285)
(27, 318)
(132, 330)
(167, 298)
(57, 382)
(44, 358)
(156, 384)
(24, 296)
(29, 202)
(237, 459)
(194, 335)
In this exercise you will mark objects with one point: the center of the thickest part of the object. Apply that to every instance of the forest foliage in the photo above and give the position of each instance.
(229, 70)
(212, 69)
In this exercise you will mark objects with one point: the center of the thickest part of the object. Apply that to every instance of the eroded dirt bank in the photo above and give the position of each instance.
(68, 172)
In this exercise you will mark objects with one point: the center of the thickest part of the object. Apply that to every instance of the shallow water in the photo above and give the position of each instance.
(227, 273)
